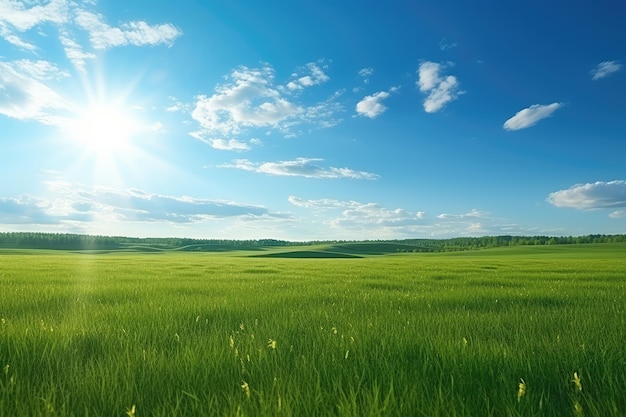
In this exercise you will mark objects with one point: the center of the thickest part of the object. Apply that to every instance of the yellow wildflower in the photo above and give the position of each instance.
(521, 390)
(577, 383)
(246, 389)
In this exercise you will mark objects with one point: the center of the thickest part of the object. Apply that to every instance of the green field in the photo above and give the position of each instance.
(315, 331)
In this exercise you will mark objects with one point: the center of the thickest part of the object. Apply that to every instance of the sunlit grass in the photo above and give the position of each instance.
(490, 333)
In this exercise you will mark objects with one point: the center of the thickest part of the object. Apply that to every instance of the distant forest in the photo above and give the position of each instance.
(64, 241)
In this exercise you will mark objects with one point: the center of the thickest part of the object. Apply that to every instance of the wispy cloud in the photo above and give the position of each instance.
(366, 74)
(40, 69)
(16, 18)
(597, 195)
(359, 220)
(142, 206)
(472, 214)
(354, 215)
(530, 116)
(445, 45)
(372, 106)
(138, 33)
(321, 204)
(15, 15)
(315, 76)
(75, 52)
(251, 99)
(28, 90)
(23, 94)
(223, 144)
(617, 214)
(299, 167)
(604, 69)
(441, 89)
(27, 210)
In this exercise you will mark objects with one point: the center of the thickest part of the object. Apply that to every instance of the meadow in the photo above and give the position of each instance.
(520, 331)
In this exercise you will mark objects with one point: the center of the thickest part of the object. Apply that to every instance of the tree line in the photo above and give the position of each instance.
(68, 241)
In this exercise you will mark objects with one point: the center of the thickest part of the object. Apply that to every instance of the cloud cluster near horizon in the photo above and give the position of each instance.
(358, 218)
(75, 203)
(590, 196)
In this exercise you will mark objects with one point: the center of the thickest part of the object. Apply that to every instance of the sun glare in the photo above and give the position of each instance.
(102, 140)
(103, 129)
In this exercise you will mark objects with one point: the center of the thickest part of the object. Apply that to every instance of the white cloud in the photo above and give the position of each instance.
(530, 116)
(351, 219)
(321, 204)
(75, 53)
(371, 106)
(357, 220)
(16, 40)
(299, 167)
(617, 214)
(428, 76)
(99, 203)
(604, 69)
(28, 210)
(366, 73)
(445, 92)
(103, 36)
(178, 106)
(597, 195)
(39, 70)
(251, 100)
(17, 17)
(225, 145)
(375, 213)
(360, 215)
(472, 214)
(444, 45)
(15, 14)
(441, 90)
(316, 76)
(230, 145)
(23, 96)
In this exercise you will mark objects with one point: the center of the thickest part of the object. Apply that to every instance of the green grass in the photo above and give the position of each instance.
(233, 334)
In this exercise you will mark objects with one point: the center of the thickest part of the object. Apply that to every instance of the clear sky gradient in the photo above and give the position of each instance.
(313, 120)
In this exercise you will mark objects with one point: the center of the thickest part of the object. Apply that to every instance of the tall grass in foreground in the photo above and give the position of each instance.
(494, 333)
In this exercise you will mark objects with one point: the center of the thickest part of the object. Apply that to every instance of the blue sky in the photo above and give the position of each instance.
(313, 120)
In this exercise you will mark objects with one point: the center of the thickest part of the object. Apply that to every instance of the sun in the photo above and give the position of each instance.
(103, 140)
(103, 128)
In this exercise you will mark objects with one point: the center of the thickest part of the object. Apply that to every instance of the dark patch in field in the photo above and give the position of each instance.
(441, 277)
(493, 284)
(260, 271)
(375, 248)
(310, 254)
